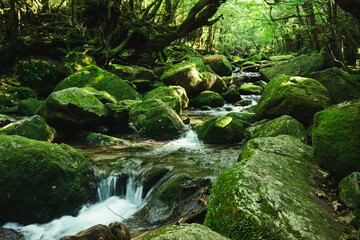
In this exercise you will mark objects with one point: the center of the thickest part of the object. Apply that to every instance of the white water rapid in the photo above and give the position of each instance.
(110, 208)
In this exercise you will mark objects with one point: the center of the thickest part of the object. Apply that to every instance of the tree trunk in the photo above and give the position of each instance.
(14, 25)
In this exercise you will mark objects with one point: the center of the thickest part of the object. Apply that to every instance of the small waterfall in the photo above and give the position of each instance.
(107, 188)
(110, 208)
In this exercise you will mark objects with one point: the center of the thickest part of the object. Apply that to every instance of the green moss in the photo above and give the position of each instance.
(41, 181)
(281, 58)
(248, 89)
(74, 105)
(222, 130)
(188, 232)
(341, 85)
(232, 96)
(95, 77)
(96, 138)
(103, 96)
(222, 67)
(131, 72)
(302, 65)
(279, 126)
(349, 190)
(174, 96)
(33, 128)
(247, 117)
(208, 98)
(297, 97)
(268, 195)
(28, 107)
(5, 120)
(154, 119)
(335, 138)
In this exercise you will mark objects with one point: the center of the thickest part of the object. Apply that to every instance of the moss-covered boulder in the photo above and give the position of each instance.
(284, 125)
(281, 58)
(298, 97)
(118, 117)
(103, 96)
(95, 77)
(222, 67)
(222, 130)
(341, 85)
(72, 106)
(101, 139)
(335, 138)
(34, 128)
(271, 194)
(247, 117)
(40, 181)
(23, 92)
(349, 190)
(190, 75)
(132, 72)
(302, 66)
(5, 120)
(174, 96)
(187, 232)
(154, 119)
(39, 73)
(28, 107)
(176, 194)
(249, 89)
(232, 96)
(207, 98)
(219, 86)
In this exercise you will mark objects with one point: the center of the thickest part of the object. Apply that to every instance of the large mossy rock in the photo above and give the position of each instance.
(335, 138)
(176, 195)
(302, 66)
(271, 194)
(40, 73)
(154, 119)
(33, 128)
(174, 96)
(132, 72)
(40, 181)
(349, 190)
(29, 106)
(190, 75)
(223, 130)
(232, 96)
(72, 106)
(220, 65)
(298, 97)
(208, 98)
(249, 89)
(95, 77)
(341, 85)
(187, 232)
(284, 125)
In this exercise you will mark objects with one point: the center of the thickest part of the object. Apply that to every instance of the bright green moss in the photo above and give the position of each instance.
(95, 77)
(40, 180)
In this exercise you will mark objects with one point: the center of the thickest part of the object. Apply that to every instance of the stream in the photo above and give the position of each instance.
(119, 197)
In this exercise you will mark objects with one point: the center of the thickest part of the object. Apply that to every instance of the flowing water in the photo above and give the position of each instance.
(110, 208)
(117, 202)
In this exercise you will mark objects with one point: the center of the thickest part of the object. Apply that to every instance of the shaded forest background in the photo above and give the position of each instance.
(141, 31)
